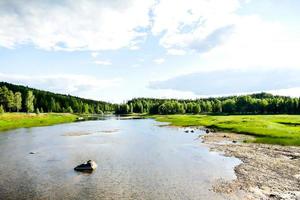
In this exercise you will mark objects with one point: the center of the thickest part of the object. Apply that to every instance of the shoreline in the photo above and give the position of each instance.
(266, 171)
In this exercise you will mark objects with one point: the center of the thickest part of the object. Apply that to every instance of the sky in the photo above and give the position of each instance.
(115, 50)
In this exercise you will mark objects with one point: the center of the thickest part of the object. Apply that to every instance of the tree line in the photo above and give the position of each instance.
(262, 103)
(15, 98)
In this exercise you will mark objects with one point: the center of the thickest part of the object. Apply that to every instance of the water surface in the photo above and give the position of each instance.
(137, 159)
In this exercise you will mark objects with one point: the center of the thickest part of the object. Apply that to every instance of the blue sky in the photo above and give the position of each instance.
(117, 50)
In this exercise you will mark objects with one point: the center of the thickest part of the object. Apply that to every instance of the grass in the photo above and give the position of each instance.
(269, 129)
(24, 120)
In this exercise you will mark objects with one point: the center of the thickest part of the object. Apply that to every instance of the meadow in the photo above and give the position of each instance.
(269, 129)
(24, 120)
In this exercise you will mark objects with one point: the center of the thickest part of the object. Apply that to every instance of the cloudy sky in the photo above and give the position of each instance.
(115, 50)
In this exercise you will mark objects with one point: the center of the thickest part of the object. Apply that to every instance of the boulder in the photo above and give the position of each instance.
(207, 131)
(88, 166)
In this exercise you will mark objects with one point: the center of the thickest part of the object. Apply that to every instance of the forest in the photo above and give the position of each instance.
(15, 98)
(262, 103)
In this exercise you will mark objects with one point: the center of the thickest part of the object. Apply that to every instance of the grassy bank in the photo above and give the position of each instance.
(24, 120)
(271, 129)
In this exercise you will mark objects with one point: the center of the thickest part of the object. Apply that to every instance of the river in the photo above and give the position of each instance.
(137, 159)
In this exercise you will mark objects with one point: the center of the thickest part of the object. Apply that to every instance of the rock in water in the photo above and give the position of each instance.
(88, 166)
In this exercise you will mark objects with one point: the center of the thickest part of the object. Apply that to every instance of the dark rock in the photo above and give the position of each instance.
(206, 131)
(234, 141)
(192, 131)
(88, 166)
(186, 131)
(32, 152)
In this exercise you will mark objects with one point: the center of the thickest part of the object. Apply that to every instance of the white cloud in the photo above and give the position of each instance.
(134, 48)
(94, 54)
(294, 92)
(102, 62)
(176, 52)
(170, 93)
(255, 43)
(226, 82)
(81, 85)
(65, 25)
(224, 38)
(135, 65)
(191, 21)
(159, 61)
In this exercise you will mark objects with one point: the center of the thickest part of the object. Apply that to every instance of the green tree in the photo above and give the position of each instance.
(52, 105)
(69, 109)
(86, 108)
(18, 101)
(263, 106)
(217, 106)
(196, 108)
(29, 101)
(189, 107)
(10, 100)
(1, 109)
(208, 106)
(229, 106)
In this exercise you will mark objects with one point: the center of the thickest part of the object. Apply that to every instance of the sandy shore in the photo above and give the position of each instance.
(266, 172)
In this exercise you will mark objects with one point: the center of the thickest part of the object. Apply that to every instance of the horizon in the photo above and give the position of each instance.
(114, 51)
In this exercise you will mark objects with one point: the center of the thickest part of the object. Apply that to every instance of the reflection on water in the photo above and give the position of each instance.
(136, 159)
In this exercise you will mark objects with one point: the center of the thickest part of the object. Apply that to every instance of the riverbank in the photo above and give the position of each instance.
(267, 129)
(23, 120)
(267, 171)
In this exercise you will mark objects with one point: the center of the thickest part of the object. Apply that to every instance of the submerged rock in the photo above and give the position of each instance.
(207, 131)
(88, 166)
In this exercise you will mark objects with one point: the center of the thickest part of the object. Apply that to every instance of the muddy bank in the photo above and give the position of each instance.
(267, 171)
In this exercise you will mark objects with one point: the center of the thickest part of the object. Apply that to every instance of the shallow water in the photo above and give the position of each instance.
(136, 159)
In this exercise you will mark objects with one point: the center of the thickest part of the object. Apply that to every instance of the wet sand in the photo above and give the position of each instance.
(266, 171)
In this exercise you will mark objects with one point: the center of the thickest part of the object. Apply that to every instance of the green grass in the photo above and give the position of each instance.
(24, 120)
(270, 129)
